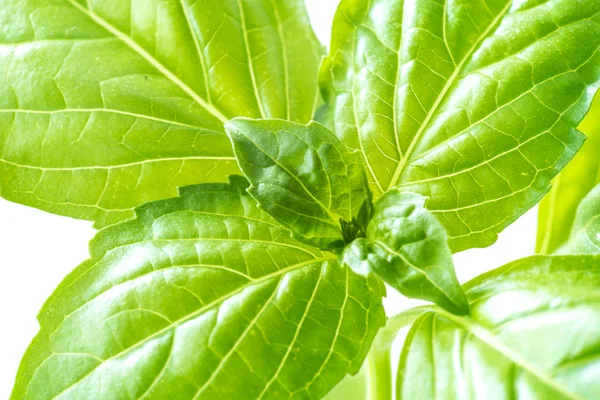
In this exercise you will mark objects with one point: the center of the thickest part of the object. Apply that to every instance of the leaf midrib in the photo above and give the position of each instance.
(416, 268)
(148, 57)
(327, 211)
(445, 90)
(198, 49)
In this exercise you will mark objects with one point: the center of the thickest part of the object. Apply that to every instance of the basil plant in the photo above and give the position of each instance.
(256, 194)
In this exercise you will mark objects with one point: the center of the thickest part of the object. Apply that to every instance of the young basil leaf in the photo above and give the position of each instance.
(201, 297)
(408, 248)
(534, 332)
(557, 210)
(585, 235)
(107, 104)
(304, 177)
(473, 104)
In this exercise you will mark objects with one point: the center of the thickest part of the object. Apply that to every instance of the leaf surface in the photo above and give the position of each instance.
(472, 103)
(201, 297)
(585, 232)
(107, 104)
(534, 332)
(301, 175)
(557, 210)
(408, 248)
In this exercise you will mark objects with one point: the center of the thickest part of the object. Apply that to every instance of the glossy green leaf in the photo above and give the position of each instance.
(557, 210)
(107, 104)
(585, 234)
(533, 333)
(472, 103)
(408, 249)
(201, 297)
(303, 176)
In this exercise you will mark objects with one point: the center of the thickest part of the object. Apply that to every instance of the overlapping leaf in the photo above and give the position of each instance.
(585, 232)
(201, 297)
(407, 248)
(107, 104)
(472, 103)
(534, 333)
(558, 208)
(303, 176)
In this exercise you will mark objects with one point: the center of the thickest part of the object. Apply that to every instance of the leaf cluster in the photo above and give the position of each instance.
(245, 246)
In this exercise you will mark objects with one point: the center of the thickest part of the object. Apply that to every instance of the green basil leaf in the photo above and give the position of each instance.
(472, 103)
(107, 104)
(200, 297)
(557, 210)
(585, 235)
(534, 332)
(407, 247)
(303, 176)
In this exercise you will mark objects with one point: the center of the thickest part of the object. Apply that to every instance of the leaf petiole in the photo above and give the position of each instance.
(379, 375)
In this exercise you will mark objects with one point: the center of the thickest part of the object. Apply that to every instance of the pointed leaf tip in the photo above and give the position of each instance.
(407, 248)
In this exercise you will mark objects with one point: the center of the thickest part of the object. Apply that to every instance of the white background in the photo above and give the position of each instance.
(38, 249)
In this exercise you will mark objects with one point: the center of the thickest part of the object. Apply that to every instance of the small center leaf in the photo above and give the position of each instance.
(304, 177)
(407, 247)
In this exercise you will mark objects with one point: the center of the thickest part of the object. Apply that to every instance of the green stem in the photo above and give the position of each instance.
(380, 375)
